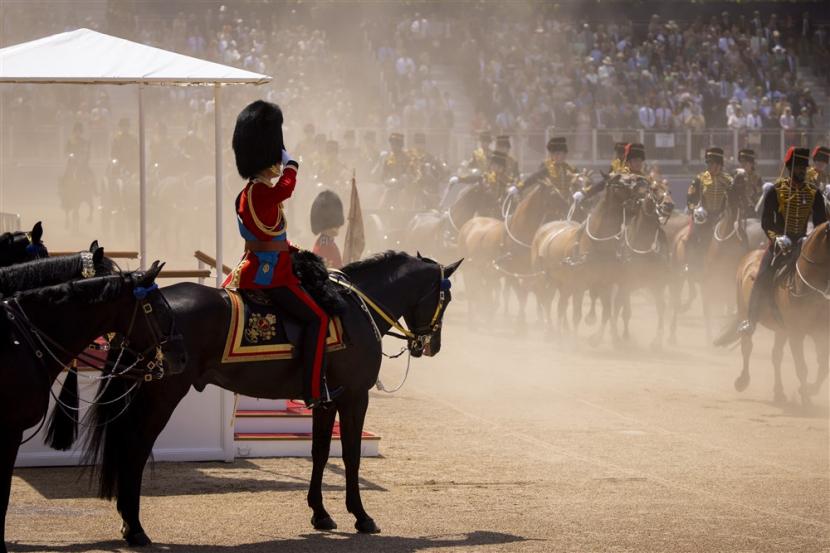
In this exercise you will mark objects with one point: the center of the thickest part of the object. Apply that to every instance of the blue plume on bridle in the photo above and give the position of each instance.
(445, 284)
(141, 292)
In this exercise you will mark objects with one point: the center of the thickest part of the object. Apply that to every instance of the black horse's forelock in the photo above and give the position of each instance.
(91, 290)
(12, 246)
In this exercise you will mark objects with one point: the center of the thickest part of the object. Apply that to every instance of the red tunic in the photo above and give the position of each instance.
(326, 248)
(260, 216)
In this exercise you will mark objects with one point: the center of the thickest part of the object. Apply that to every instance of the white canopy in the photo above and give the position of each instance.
(89, 57)
(84, 56)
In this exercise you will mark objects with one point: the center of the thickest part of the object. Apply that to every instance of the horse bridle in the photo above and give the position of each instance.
(151, 358)
(416, 338)
(826, 292)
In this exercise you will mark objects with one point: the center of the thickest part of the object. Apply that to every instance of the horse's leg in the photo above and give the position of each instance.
(707, 315)
(626, 313)
(576, 304)
(797, 349)
(521, 297)
(675, 291)
(617, 309)
(352, 411)
(823, 357)
(777, 356)
(323, 422)
(605, 300)
(9, 444)
(147, 416)
(746, 350)
(591, 317)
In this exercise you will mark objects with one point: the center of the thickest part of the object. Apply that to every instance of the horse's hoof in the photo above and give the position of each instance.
(779, 397)
(139, 539)
(325, 523)
(742, 382)
(367, 526)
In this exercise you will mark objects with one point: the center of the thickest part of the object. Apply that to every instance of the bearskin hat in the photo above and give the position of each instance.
(326, 212)
(714, 154)
(821, 153)
(557, 144)
(797, 157)
(619, 149)
(635, 151)
(499, 158)
(257, 138)
(746, 155)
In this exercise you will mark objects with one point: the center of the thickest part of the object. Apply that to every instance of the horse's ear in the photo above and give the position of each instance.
(97, 255)
(149, 276)
(418, 254)
(450, 269)
(94, 246)
(37, 232)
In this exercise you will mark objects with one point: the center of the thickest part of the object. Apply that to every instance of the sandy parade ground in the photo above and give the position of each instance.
(508, 443)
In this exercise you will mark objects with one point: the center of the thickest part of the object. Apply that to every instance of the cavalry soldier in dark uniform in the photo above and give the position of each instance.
(503, 146)
(395, 171)
(124, 149)
(555, 172)
(429, 172)
(271, 176)
(788, 207)
(481, 155)
(495, 182)
(818, 173)
(326, 220)
(747, 183)
(619, 156)
(706, 200)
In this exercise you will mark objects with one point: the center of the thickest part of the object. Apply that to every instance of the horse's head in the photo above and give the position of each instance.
(19, 247)
(656, 204)
(426, 317)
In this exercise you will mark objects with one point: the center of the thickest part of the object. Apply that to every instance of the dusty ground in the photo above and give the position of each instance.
(508, 444)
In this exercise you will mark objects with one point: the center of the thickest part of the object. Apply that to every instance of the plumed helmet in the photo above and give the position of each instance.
(326, 212)
(746, 155)
(635, 151)
(557, 144)
(257, 138)
(797, 157)
(821, 153)
(714, 155)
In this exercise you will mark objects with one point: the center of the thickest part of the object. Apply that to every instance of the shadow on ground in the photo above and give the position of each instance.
(174, 479)
(343, 542)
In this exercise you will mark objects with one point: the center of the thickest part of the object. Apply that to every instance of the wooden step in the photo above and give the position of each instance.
(246, 403)
(298, 444)
(288, 421)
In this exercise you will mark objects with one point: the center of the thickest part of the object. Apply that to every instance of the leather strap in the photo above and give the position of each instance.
(263, 246)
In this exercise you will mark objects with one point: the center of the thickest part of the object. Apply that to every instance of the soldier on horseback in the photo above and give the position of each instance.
(706, 200)
(271, 175)
(818, 173)
(618, 162)
(747, 184)
(395, 170)
(428, 171)
(788, 207)
(481, 155)
(554, 172)
(503, 146)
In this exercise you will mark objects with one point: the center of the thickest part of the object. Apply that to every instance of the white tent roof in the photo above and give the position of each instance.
(84, 56)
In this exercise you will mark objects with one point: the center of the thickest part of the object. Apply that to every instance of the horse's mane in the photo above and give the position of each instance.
(11, 245)
(91, 291)
(383, 258)
(50, 270)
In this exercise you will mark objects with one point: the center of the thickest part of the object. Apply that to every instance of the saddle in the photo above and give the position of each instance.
(259, 332)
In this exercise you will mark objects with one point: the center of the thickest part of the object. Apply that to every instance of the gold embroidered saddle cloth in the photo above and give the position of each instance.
(258, 331)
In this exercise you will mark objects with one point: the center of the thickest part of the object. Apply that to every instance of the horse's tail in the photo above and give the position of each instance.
(730, 335)
(104, 441)
(63, 424)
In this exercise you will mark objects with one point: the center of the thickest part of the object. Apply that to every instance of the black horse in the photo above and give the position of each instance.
(414, 288)
(17, 247)
(45, 328)
(54, 270)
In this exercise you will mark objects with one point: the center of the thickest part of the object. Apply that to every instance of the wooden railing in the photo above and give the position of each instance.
(202, 257)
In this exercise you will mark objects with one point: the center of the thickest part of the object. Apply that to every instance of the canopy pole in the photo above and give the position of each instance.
(217, 145)
(142, 183)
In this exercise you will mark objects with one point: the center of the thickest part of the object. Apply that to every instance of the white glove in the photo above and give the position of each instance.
(767, 187)
(512, 191)
(783, 243)
(700, 214)
(578, 196)
(286, 157)
(453, 181)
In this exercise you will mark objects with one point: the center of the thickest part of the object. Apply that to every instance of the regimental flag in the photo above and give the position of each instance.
(355, 240)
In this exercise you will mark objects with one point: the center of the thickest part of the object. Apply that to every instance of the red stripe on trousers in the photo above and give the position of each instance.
(321, 338)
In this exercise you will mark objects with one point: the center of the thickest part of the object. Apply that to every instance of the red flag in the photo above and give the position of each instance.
(355, 240)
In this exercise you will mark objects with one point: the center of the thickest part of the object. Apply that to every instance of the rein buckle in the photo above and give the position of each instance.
(147, 308)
